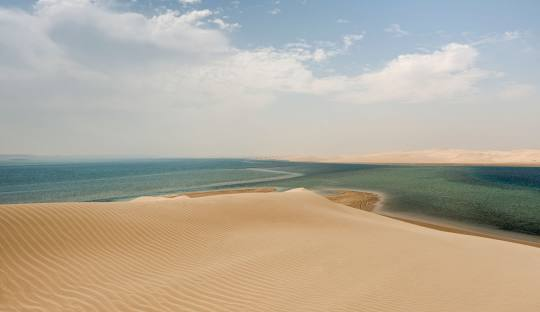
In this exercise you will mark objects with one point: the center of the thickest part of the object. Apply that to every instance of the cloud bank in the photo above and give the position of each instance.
(184, 57)
(82, 57)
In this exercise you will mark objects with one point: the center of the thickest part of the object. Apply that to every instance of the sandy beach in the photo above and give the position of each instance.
(264, 251)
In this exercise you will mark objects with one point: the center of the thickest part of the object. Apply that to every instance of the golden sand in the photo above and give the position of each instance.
(230, 191)
(291, 251)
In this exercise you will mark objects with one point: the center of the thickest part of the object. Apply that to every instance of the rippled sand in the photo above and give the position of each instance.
(292, 251)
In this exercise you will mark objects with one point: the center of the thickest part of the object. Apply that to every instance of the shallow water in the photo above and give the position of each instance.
(120, 179)
(507, 198)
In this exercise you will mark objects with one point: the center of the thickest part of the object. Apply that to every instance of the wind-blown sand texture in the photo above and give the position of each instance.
(530, 157)
(291, 251)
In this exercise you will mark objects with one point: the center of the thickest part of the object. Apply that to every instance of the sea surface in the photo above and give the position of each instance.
(501, 198)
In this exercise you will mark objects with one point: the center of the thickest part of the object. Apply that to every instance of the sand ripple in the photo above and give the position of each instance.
(293, 251)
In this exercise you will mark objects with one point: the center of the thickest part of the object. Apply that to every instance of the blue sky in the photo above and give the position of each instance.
(251, 78)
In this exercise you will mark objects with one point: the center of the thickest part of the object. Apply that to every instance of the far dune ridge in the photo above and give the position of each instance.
(289, 251)
(436, 156)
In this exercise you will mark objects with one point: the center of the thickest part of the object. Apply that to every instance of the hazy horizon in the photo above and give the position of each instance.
(210, 78)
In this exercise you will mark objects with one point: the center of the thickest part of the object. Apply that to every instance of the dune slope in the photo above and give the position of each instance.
(292, 251)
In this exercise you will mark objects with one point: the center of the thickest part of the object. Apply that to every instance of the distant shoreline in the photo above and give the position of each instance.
(419, 164)
(436, 157)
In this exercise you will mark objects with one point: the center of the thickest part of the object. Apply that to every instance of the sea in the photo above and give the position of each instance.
(504, 199)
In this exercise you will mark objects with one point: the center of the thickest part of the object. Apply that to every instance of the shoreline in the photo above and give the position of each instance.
(419, 164)
(364, 200)
(458, 230)
(439, 157)
(440, 225)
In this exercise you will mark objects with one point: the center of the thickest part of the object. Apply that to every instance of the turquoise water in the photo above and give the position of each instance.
(506, 198)
(22, 182)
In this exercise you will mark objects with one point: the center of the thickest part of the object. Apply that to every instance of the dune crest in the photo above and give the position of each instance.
(290, 251)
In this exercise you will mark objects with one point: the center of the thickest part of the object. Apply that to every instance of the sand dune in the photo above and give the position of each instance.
(203, 194)
(292, 251)
(530, 157)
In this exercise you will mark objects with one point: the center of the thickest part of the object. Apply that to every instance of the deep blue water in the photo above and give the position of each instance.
(507, 198)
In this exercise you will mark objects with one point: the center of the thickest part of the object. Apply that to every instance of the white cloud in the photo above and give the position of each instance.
(194, 17)
(396, 30)
(319, 55)
(440, 75)
(224, 25)
(511, 35)
(319, 51)
(304, 51)
(189, 1)
(82, 59)
(128, 51)
(495, 38)
(342, 21)
(349, 40)
(275, 11)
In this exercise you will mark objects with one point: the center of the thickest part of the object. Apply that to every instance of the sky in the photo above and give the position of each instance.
(212, 78)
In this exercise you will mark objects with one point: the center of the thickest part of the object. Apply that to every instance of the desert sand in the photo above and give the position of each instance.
(289, 251)
(529, 157)
(203, 194)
